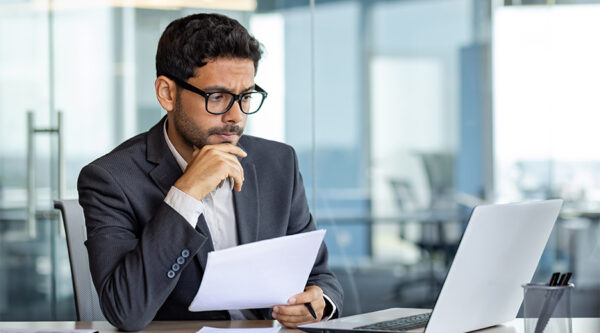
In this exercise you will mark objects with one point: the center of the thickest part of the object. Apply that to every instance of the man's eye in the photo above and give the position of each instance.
(216, 97)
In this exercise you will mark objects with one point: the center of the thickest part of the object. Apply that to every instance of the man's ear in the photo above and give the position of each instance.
(166, 92)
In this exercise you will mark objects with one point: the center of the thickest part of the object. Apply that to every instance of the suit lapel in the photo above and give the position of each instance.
(207, 246)
(167, 171)
(165, 175)
(246, 205)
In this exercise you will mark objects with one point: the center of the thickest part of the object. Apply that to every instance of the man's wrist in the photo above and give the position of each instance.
(191, 190)
(187, 206)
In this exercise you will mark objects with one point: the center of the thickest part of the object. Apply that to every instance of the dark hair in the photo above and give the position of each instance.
(191, 41)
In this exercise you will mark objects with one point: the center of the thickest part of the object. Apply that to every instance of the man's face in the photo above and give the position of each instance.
(193, 123)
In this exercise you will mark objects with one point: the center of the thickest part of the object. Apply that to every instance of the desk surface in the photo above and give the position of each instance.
(580, 325)
(156, 326)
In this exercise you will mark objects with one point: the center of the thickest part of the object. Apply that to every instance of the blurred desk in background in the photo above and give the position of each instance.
(582, 226)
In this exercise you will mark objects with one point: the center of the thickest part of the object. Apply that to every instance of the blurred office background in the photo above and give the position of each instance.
(405, 114)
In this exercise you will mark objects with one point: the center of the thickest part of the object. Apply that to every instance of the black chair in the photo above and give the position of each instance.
(434, 221)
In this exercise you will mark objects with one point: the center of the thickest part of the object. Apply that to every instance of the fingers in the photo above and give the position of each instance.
(226, 152)
(310, 294)
(296, 312)
(223, 152)
(227, 148)
(292, 321)
(292, 315)
(293, 310)
(209, 167)
(235, 172)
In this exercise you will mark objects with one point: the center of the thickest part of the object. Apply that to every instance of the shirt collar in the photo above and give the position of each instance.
(181, 161)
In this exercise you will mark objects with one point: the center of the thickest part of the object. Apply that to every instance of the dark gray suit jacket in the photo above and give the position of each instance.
(134, 238)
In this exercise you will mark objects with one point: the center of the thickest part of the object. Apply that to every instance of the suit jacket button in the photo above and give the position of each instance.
(175, 267)
(171, 274)
(180, 260)
(185, 253)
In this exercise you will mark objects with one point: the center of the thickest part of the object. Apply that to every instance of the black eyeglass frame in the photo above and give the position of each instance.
(236, 97)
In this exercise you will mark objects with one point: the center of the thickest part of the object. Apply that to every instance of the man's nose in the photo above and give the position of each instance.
(234, 115)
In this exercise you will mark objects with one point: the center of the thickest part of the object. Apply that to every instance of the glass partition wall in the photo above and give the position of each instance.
(387, 103)
(33, 277)
(545, 112)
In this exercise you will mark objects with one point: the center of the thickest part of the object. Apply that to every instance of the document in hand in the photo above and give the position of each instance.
(257, 275)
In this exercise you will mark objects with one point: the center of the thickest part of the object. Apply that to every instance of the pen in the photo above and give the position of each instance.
(564, 279)
(554, 279)
(310, 309)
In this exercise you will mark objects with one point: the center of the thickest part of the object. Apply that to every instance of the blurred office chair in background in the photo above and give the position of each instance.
(440, 170)
(86, 297)
(417, 227)
(439, 222)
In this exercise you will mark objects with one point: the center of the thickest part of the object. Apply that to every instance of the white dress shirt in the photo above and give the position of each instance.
(219, 215)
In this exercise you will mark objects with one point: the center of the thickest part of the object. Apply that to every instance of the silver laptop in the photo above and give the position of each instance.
(499, 251)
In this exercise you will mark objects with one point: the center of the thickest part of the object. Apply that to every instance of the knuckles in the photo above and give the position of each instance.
(221, 164)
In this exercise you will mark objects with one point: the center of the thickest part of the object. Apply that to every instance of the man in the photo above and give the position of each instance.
(159, 202)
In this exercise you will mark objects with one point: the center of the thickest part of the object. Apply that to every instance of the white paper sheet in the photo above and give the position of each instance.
(239, 330)
(257, 275)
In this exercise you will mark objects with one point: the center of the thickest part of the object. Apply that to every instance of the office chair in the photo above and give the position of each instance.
(86, 297)
(434, 240)
(439, 168)
(427, 241)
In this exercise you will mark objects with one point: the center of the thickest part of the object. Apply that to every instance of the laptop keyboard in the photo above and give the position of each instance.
(399, 324)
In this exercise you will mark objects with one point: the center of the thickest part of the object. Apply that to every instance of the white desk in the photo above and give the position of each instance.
(580, 325)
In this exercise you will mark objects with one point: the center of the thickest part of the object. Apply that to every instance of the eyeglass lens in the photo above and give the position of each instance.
(220, 102)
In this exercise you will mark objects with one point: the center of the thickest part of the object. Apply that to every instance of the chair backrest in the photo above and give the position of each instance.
(439, 168)
(86, 297)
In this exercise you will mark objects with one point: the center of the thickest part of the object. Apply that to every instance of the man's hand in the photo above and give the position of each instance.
(209, 167)
(296, 313)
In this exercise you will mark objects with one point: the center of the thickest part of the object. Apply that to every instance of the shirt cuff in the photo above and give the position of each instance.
(333, 307)
(184, 204)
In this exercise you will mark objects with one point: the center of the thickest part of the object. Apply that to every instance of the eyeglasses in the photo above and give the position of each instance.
(220, 102)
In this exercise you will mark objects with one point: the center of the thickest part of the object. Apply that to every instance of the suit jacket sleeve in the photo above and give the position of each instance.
(302, 221)
(131, 261)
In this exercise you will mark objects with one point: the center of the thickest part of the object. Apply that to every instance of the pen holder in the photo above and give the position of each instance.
(547, 309)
